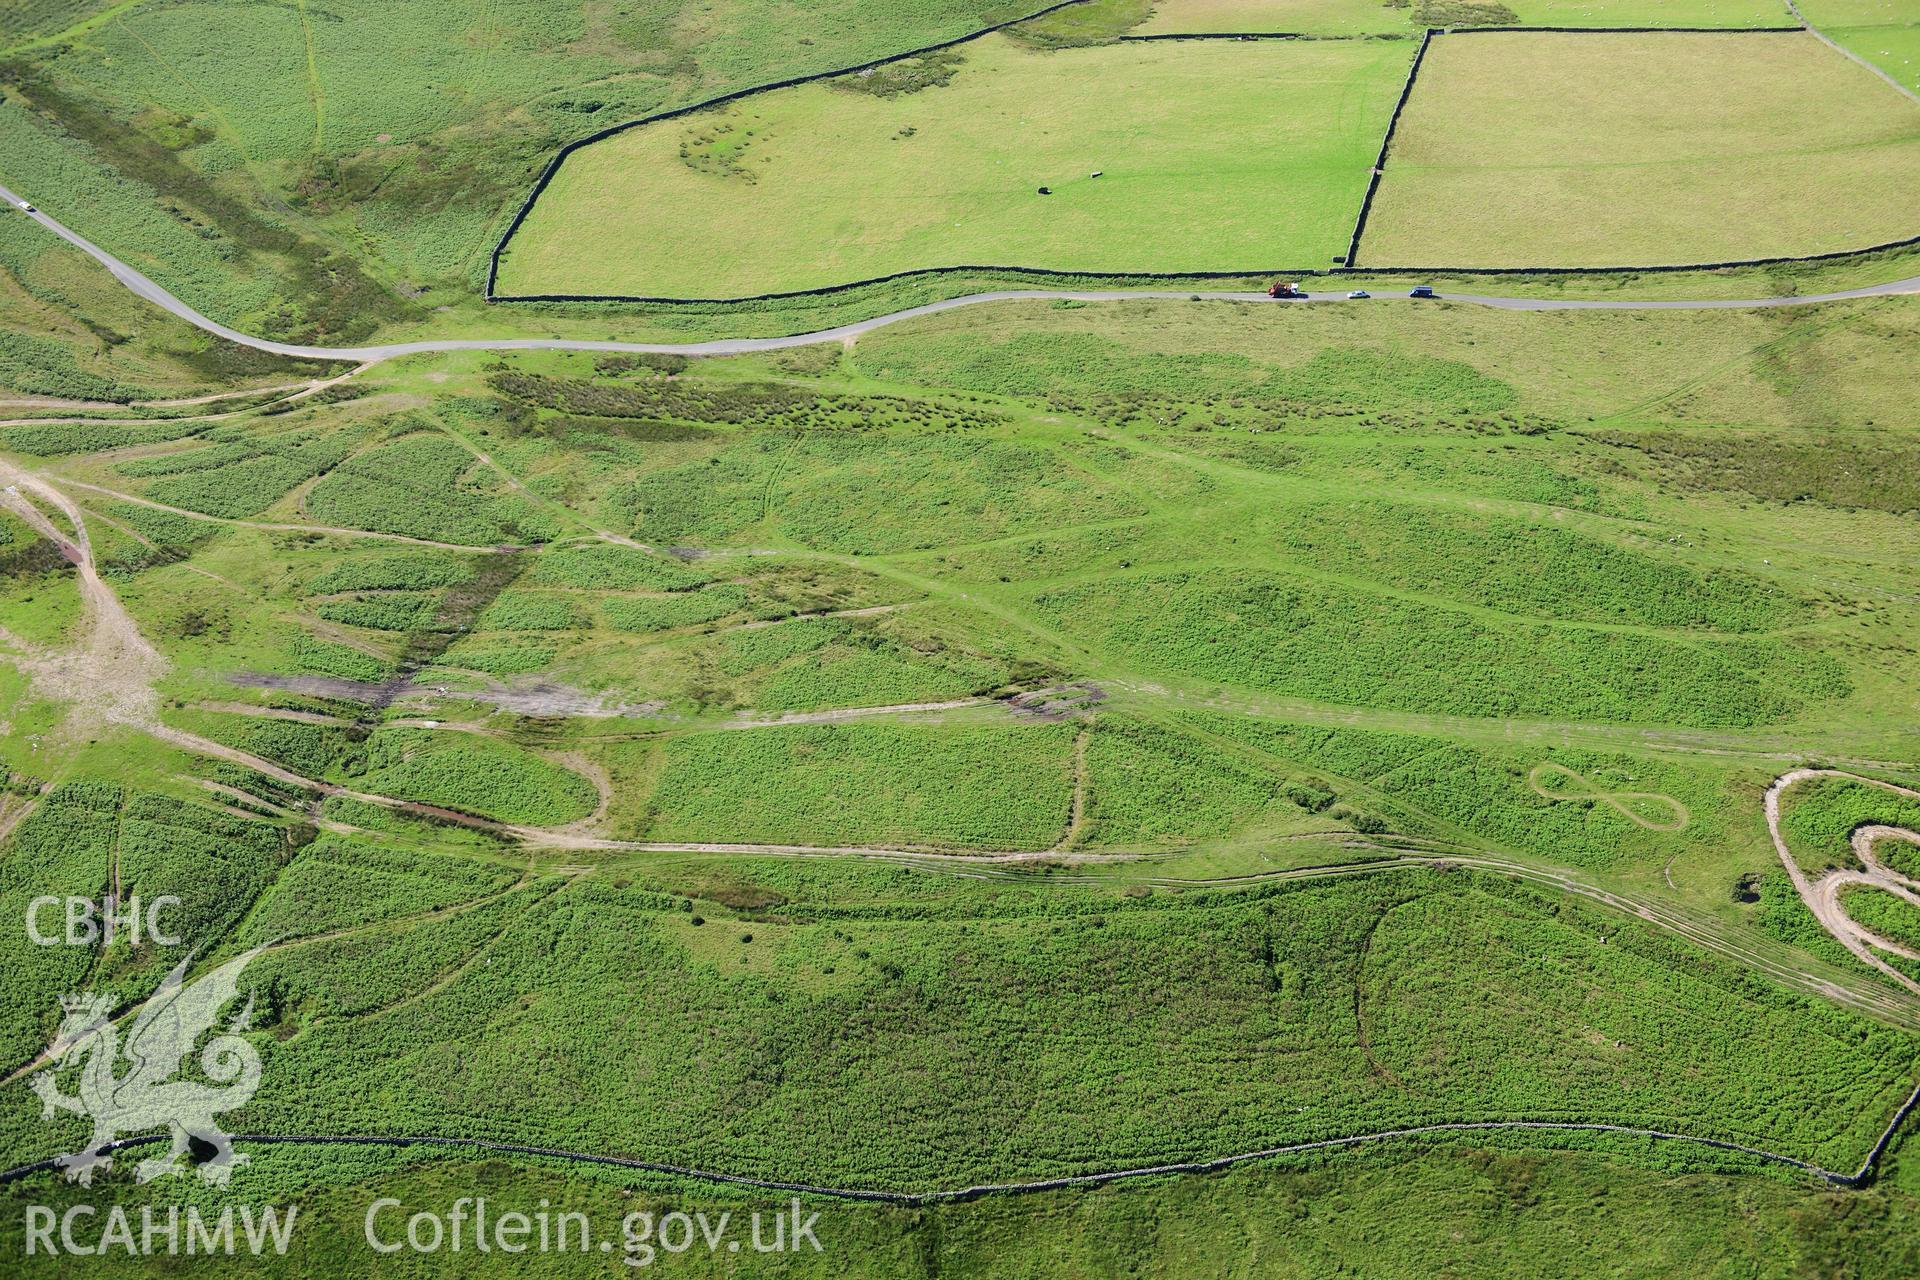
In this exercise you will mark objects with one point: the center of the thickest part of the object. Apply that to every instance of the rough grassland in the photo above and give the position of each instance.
(823, 184)
(311, 159)
(68, 329)
(1351, 17)
(1003, 787)
(879, 1027)
(1562, 150)
(1277, 589)
(21, 20)
(1481, 1213)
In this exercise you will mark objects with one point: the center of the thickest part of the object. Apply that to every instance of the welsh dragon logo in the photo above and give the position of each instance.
(146, 1096)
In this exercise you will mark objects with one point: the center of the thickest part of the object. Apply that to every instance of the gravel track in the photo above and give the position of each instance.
(1822, 896)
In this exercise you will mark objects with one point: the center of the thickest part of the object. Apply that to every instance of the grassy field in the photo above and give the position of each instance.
(828, 183)
(1183, 605)
(1884, 32)
(69, 331)
(347, 167)
(278, 185)
(1401, 1215)
(1313, 17)
(1615, 529)
(1556, 150)
(1366, 17)
(990, 1030)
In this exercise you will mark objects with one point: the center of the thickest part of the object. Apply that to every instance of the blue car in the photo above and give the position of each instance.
(1422, 291)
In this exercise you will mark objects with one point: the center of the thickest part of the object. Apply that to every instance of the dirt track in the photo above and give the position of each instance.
(339, 531)
(298, 390)
(1822, 896)
(108, 677)
(1621, 802)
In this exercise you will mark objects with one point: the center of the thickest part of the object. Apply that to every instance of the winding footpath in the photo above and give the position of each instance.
(373, 354)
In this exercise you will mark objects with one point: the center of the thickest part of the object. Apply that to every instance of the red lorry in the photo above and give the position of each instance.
(1284, 289)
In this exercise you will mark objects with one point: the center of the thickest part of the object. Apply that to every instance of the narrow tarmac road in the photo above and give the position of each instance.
(153, 293)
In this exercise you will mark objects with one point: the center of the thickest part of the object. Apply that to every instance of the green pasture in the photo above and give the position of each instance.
(1567, 150)
(1205, 600)
(1312, 17)
(996, 786)
(1368, 17)
(1003, 1029)
(1626, 530)
(312, 170)
(832, 182)
(1895, 48)
(1884, 32)
(348, 172)
(1403, 1213)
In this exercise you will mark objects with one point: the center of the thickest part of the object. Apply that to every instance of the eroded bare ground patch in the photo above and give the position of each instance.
(534, 698)
(1058, 702)
(107, 675)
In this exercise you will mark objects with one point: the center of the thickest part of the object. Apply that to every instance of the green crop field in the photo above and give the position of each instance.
(939, 162)
(1560, 150)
